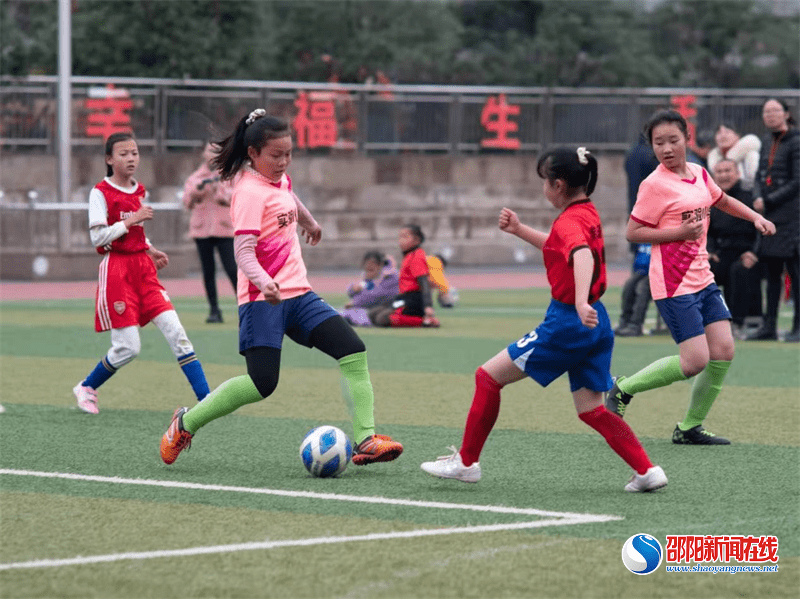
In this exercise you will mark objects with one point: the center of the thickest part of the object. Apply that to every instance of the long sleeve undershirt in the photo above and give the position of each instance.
(244, 248)
(100, 232)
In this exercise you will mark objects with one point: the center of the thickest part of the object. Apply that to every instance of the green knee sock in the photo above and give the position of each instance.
(705, 390)
(228, 397)
(357, 391)
(660, 373)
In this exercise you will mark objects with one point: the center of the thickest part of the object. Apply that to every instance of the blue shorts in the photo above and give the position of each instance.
(562, 344)
(263, 325)
(687, 316)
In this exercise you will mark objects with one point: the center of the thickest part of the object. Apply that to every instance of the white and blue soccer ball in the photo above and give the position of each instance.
(326, 451)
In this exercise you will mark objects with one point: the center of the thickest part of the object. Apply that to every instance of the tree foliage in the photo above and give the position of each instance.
(697, 43)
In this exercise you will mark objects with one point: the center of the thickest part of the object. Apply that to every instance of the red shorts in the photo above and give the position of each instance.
(128, 292)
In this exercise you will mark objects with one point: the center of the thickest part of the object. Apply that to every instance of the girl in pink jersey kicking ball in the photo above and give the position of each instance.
(575, 336)
(672, 213)
(129, 294)
(275, 298)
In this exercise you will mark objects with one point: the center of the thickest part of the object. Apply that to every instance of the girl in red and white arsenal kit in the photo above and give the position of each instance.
(129, 294)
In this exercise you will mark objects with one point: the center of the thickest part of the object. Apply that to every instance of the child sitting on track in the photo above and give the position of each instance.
(413, 307)
(378, 285)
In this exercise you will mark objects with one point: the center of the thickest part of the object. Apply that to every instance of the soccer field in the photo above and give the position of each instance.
(88, 510)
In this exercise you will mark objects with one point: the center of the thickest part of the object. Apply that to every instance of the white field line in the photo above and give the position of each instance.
(553, 519)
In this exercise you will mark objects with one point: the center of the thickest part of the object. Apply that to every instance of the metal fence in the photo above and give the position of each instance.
(169, 114)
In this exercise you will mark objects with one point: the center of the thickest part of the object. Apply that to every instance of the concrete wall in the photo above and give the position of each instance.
(361, 202)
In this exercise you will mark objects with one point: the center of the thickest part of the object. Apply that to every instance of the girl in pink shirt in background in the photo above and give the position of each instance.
(672, 213)
(209, 200)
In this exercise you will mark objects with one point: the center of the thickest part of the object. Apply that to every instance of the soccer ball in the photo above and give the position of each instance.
(326, 451)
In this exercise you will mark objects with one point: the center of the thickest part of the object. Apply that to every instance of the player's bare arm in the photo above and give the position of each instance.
(583, 267)
(142, 214)
(510, 223)
(736, 208)
(311, 229)
(639, 233)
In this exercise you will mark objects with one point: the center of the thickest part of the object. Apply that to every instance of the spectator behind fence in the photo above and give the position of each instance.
(698, 153)
(378, 284)
(209, 200)
(413, 307)
(730, 241)
(639, 163)
(777, 191)
(743, 151)
(635, 295)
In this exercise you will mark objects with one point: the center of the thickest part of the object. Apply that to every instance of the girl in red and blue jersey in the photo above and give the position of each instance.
(575, 336)
(129, 294)
(275, 297)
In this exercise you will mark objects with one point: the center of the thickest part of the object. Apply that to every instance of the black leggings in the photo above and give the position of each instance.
(205, 249)
(775, 288)
(334, 337)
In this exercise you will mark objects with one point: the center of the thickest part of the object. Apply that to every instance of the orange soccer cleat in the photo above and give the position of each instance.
(376, 448)
(176, 439)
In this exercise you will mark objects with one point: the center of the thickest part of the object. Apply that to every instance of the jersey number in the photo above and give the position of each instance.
(527, 339)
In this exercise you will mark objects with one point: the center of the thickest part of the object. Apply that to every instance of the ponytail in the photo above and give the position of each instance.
(254, 130)
(577, 168)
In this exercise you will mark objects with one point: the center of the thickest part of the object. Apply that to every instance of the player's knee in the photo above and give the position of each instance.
(694, 365)
(352, 345)
(724, 351)
(125, 346)
(265, 382)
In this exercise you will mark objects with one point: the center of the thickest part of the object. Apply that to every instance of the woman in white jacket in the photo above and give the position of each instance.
(744, 151)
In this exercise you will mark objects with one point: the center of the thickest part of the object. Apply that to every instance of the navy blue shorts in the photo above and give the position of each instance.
(562, 344)
(687, 316)
(263, 325)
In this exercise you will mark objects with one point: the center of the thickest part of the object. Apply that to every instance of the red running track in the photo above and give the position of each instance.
(322, 283)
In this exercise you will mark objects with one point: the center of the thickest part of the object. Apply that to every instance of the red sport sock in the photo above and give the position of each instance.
(619, 436)
(398, 319)
(482, 416)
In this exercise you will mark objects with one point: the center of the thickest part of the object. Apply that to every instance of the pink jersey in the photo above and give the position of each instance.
(665, 201)
(268, 210)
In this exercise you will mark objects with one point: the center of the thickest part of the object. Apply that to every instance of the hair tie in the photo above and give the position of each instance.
(582, 156)
(255, 115)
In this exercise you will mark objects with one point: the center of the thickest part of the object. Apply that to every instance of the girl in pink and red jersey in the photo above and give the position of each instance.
(275, 298)
(129, 294)
(672, 213)
(575, 336)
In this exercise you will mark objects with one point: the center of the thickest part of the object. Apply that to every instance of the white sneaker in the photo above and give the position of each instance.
(87, 398)
(651, 480)
(2, 409)
(451, 466)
